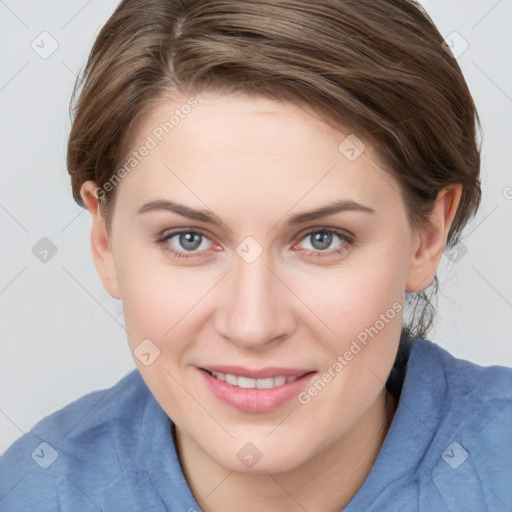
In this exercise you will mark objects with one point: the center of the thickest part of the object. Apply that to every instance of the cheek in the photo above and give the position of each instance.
(354, 296)
(361, 310)
(159, 300)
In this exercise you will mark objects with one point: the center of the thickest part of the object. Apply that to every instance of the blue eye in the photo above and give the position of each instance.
(191, 243)
(320, 240)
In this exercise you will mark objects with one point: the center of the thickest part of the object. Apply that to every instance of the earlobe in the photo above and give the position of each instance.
(430, 242)
(100, 243)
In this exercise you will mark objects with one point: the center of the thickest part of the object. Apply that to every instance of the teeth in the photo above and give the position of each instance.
(265, 383)
(230, 379)
(244, 382)
(248, 383)
(279, 381)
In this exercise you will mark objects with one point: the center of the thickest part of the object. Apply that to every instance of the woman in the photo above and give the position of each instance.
(270, 184)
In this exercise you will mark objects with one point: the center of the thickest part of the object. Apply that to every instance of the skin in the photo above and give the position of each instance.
(254, 162)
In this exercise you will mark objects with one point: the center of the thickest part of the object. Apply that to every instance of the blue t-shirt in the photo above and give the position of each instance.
(449, 447)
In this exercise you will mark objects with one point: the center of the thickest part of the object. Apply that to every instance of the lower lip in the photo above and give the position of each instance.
(255, 400)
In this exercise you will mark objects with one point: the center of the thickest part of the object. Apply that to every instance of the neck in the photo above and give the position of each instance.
(326, 482)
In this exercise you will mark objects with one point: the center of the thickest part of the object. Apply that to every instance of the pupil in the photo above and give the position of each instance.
(190, 240)
(321, 240)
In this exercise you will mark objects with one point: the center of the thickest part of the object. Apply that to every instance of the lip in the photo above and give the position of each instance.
(256, 400)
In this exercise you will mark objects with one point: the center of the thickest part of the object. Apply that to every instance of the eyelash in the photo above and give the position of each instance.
(347, 242)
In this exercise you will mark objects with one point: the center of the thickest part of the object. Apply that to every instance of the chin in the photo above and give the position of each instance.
(259, 457)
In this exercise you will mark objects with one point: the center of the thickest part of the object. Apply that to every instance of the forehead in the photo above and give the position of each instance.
(245, 146)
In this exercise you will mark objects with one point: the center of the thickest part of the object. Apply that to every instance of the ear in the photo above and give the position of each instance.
(431, 240)
(100, 242)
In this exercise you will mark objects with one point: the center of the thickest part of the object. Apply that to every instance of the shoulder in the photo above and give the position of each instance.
(58, 449)
(470, 427)
(465, 385)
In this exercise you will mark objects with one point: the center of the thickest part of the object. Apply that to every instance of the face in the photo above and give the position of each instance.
(250, 321)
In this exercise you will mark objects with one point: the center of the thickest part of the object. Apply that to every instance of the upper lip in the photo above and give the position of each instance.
(257, 373)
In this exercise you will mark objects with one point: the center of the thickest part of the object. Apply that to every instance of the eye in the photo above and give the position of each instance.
(178, 243)
(320, 239)
(195, 242)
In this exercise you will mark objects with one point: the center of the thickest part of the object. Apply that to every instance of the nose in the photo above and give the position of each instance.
(255, 308)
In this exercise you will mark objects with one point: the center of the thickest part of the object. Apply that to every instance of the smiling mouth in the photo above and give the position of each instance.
(255, 390)
(249, 383)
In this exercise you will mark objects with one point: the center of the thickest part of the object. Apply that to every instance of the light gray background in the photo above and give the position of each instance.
(61, 333)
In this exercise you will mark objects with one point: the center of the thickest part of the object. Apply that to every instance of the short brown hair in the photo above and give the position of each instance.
(377, 66)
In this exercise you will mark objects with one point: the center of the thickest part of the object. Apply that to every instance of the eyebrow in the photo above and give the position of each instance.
(209, 217)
